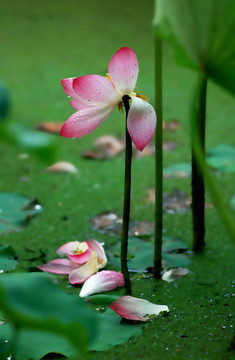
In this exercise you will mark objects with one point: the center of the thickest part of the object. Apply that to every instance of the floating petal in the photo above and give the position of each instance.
(98, 248)
(102, 281)
(80, 275)
(132, 308)
(59, 266)
(141, 122)
(78, 252)
(174, 274)
(124, 69)
(81, 253)
(68, 247)
(62, 167)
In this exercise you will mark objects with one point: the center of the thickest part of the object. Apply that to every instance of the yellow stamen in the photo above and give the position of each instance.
(143, 97)
(120, 106)
(108, 76)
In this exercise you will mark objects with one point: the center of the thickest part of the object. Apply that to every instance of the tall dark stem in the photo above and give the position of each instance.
(198, 186)
(158, 161)
(126, 205)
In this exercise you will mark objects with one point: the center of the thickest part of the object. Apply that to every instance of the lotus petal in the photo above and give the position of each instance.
(80, 275)
(96, 89)
(124, 69)
(62, 167)
(98, 248)
(86, 120)
(102, 281)
(132, 308)
(141, 122)
(59, 266)
(174, 274)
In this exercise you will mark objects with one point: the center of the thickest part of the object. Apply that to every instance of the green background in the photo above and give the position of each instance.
(45, 41)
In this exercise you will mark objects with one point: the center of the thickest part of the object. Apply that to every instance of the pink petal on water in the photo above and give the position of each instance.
(81, 254)
(124, 69)
(80, 275)
(62, 167)
(68, 247)
(68, 86)
(59, 266)
(132, 308)
(141, 122)
(98, 248)
(85, 121)
(102, 281)
(96, 88)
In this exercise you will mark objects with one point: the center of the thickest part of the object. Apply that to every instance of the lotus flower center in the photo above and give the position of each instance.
(80, 248)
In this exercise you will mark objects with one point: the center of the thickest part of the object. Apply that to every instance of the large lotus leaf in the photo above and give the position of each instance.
(112, 332)
(201, 32)
(7, 259)
(32, 301)
(40, 143)
(222, 158)
(140, 254)
(175, 260)
(34, 344)
(14, 210)
(177, 170)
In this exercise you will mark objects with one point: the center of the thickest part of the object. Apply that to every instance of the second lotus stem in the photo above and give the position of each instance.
(127, 199)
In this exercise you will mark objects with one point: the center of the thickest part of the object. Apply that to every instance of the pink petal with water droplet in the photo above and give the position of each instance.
(80, 104)
(59, 266)
(98, 248)
(124, 69)
(80, 275)
(141, 122)
(84, 121)
(102, 281)
(96, 88)
(132, 308)
(68, 86)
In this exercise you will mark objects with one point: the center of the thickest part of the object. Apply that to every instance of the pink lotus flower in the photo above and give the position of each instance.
(95, 97)
(132, 308)
(102, 281)
(84, 259)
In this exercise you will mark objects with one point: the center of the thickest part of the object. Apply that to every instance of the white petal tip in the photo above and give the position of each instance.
(103, 281)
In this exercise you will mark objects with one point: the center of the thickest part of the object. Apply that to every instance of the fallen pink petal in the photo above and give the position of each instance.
(82, 273)
(62, 167)
(95, 97)
(102, 281)
(59, 266)
(84, 259)
(132, 308)
(79, 252)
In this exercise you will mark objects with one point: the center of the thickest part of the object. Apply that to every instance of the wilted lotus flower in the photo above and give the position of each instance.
(95, 97)
(84, 259)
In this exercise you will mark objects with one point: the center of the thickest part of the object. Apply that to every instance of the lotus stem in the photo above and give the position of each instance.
(158, 162)
(127, 200)
(198, 186)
